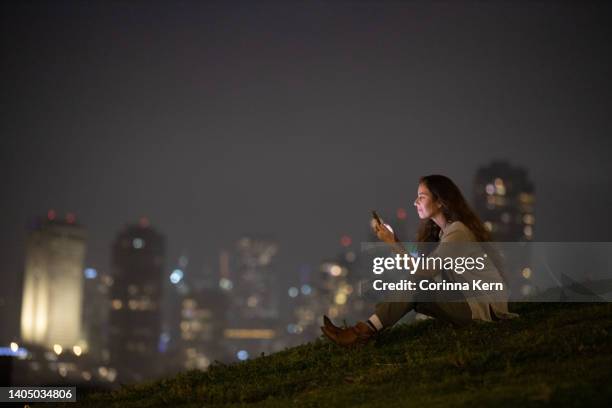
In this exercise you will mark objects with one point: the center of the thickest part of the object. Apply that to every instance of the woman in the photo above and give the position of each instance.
(445, 218)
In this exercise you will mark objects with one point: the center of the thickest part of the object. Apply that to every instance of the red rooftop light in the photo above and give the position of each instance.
(144, 222)
(345, 241)
(401, 213)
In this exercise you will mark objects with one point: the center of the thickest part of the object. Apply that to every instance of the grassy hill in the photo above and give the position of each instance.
(558, 354)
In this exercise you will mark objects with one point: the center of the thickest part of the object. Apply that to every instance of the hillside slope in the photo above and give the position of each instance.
(558, 354)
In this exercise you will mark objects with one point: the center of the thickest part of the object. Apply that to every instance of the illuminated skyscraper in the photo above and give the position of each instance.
(248, 277)
(201, 324)
(53, 282)
(504, 199)
(255, 288)
(306, 305)
(135, 317)
(96, 309)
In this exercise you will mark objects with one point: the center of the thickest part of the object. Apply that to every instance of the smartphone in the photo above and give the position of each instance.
(376, 217)
(380, 222)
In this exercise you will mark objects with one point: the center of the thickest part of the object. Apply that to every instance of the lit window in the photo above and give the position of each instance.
(138, 243)
(107, 280)
(58, 349)
(526, 273)
(117, 304)
(500, 190)
(176, 276)
(90, 273)
(526, 198)
(529, 219)
(335, 270)
(340, 298)
(225, 284)
(252, 301)
(348, 289)
(189, 303)
(103, 371)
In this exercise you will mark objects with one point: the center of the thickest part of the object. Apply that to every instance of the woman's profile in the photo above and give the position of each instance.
(445, 217)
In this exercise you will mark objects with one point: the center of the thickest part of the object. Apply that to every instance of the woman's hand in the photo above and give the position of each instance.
(384, 233)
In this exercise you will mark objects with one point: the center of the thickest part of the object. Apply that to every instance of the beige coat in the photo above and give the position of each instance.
(481, 303)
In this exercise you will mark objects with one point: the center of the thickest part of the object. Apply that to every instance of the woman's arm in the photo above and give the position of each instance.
(449, 247)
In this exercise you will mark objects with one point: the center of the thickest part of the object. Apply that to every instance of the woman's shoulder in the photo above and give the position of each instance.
(460, 231)
(457, 225)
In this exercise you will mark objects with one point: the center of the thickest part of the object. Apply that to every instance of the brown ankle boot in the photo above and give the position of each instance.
(356, 335)
(329, 325)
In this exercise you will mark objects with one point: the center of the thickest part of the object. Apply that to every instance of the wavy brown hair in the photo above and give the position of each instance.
(455, 208)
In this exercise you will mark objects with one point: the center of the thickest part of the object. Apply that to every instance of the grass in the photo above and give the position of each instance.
(554, 354)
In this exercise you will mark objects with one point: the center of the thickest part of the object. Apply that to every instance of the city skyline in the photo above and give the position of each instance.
(138, 250)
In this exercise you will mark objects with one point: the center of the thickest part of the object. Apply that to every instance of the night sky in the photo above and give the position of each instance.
(293, 120)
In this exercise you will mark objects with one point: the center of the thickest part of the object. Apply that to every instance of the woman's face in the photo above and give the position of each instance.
(425, 204)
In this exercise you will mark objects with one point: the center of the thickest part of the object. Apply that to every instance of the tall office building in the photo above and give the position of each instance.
(248, 277)
(136, 294)
(96, 310)
(201, 325)
(337, 288)
(255, 286)
(53, 282)
(304, 307)
(504, 199)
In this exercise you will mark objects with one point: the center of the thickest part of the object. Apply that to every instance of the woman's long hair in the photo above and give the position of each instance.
(455, 208)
